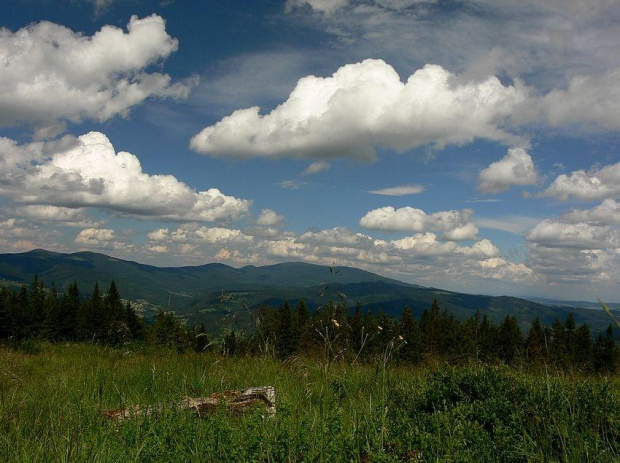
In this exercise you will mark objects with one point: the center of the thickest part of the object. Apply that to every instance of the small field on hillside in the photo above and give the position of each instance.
(51, 397)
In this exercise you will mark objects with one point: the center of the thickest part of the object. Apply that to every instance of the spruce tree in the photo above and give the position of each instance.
(6, 328)
(134, 322)
(510, 340)
(285, 341)
(303, 338)
(411, 351)
(357, 330)
(535, 342)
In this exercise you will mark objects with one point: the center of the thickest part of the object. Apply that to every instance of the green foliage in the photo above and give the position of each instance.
(50, 401)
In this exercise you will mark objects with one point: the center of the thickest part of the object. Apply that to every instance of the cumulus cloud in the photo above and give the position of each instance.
(326, 7)
(597, 183)
(606, 213)
(402, 190)
(589, 101)
(421, 256)
(455, 225)
(101, 238)
(516, 168)
(52, 75)
(91, 174)
(556, 234)
(362, 106)
(59, 215)
(316, 167)
(161, 234)
(270, 218)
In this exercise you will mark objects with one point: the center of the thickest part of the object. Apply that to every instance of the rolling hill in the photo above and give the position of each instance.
(196, 291)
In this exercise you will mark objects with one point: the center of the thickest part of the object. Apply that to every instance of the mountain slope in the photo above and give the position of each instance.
(195, 291)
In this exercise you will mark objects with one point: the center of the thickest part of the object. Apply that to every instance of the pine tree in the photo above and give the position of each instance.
(411, 351)
(357, 330)
(301, 324)
(52, 326)
(6, 328)
(168, 332)
(606, 352)
(285, 341)
(200, 339)
(36, 307)
(510, 339)
(431, 329)
(468, 344)
(535, 343)
(116, 330)
(92, 317)
(134, 322)
(583, 348)
(558, 350)
(569, 338)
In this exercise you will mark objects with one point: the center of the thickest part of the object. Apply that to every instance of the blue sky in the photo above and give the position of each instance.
(470, 145)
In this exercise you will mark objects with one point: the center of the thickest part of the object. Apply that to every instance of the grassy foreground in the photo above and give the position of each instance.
(50, 400)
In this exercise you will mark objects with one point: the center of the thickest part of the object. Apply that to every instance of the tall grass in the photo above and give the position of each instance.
(50, 399)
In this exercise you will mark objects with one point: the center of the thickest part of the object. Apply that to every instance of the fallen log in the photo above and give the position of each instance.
(235, 401)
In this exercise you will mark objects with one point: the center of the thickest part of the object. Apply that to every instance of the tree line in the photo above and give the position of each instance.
(330, 332)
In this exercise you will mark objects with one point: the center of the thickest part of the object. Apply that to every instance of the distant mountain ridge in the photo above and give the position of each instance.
(195, 291)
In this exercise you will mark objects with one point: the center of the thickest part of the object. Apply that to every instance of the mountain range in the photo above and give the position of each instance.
(213, 293)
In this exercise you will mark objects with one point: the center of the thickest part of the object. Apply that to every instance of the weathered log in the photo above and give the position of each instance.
(235, 401)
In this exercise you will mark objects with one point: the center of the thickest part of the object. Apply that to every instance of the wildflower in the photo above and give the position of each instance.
(335, 322)
(379, 327)
(400, 338)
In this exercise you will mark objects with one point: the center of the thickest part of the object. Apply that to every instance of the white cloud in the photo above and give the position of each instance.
(589, 101)
(362, 106)
(161, 234)
(316, 167)
(597, 183)
(52, 74)
(158, 248)
(101, 238)
(91, 174)
(60, 215)
(456, 225)
(402, 190)
(322, 6)
(516, 168)
(270, 218)
(556, 234)
(516, 224)
(606, 213)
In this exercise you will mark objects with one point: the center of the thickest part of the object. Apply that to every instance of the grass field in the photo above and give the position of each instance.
(51, 396)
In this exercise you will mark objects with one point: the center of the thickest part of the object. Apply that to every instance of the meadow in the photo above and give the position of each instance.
(52, 395)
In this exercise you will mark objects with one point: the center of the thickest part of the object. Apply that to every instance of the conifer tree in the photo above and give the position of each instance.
(6, 328)
(36, 307)
(134, 322)
(535, 342)
(411, 351)
(510, 339)
(569, 339)
(301, 319)
(285, 341)
(52, 326)
(468, 342)
(168, 332)
(583, 348)
(606, 352)
(558, 350)
(357, 330)
(199, 338)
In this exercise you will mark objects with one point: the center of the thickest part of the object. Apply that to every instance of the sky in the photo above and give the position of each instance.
(468, 145)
